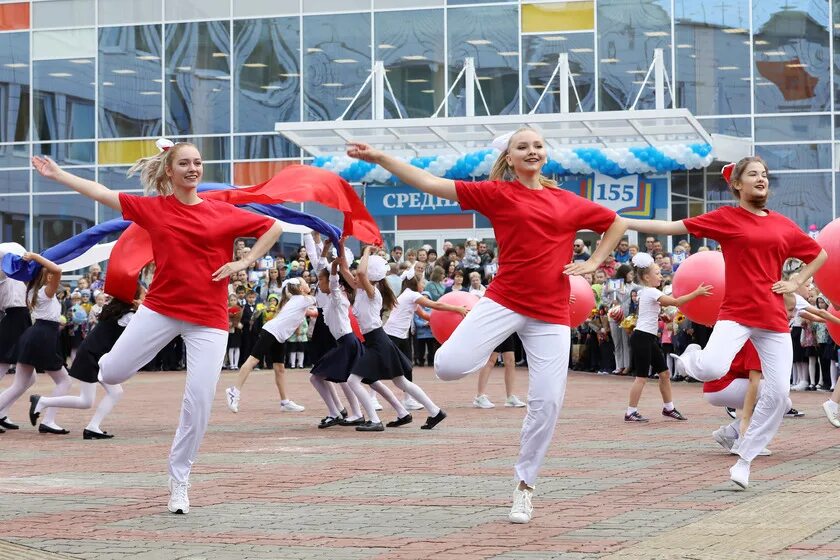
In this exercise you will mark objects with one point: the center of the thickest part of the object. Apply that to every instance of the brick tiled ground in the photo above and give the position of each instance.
(269, 485)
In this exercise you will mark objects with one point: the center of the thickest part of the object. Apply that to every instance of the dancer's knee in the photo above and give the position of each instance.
(454, 363)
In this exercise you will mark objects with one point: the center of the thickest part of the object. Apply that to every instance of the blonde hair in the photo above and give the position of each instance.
(501, 171)
(152, 170)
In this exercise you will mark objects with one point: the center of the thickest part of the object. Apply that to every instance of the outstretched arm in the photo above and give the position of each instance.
(426, 302)
(55, 272)
(362, 280)
(260, 248)
(91, 189)
(790, 286)
(418, 178)
(659, 227)
(702, 290)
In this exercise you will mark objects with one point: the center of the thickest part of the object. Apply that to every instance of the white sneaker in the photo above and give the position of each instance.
(514, 402)
(375, 402)
(736, 449)
(739, 473)
(831, 412)
(232, 394)
(522, 509)
(482, 401)
(410, 404)
(721, 436)
(179, 502)
(799, 386)
(291, 406)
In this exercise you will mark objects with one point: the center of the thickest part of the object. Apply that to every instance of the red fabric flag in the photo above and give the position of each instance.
(295, 183)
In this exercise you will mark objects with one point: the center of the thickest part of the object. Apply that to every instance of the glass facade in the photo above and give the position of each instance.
(92, 83)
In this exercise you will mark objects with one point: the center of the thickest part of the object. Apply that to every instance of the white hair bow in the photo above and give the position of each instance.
(642, 260)
(163, 144)
(501, 142)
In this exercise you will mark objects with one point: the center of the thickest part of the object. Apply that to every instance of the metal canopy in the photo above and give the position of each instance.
(462, 135)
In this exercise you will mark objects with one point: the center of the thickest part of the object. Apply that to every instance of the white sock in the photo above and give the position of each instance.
(355, 383)
(834, 372)
(383, 390)
(414, 390)
(631, 410)
(113, 394)
(323, 390)
(669, 406)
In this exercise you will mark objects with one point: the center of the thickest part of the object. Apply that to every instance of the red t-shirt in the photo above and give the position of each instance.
(754, 248)
(189, 244)
(535, 230)
(745, 361)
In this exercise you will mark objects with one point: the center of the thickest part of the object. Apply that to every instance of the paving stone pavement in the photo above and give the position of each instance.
(270, 485)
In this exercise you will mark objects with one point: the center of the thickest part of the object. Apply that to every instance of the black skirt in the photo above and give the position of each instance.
(337, 364)
(235, 339)
(12, 326)
(382, 359)
(38, 347)
(268, 348)
(322, 339)
(798, 352)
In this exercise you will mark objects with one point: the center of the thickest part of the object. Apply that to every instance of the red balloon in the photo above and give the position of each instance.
(701, 268)
(444, 323)
(584, 300)
(828, 277)
(833, 328)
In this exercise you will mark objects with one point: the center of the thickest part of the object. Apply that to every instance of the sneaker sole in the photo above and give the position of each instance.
(739, 484)
(723, 443)
(518, 521)
(179, 511)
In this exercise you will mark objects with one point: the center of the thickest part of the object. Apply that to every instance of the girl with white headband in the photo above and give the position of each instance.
(191, 240)
(644, 342)
(16, 320)
(295, 304)
(521, 205)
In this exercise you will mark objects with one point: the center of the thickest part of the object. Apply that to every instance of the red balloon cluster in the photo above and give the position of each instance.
(701, 268)
(828, 277)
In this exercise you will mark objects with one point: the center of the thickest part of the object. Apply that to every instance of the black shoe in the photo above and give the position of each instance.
(328, 421)
(635, 417)
(90, 434)
(4, 422)
(433, 421)
(343, 413)
(793, 413)
(356, 422)
(33, 403)
(731, 412)
(47, 430)
(2, 431)
(673, 413)
(811, 388)
(400, 421)
(371, 427)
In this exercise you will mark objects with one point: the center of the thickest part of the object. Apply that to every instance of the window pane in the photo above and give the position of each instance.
(485, 34)
(128, 11)
(791, 65)
(14, 16)
(59, 217)
(63, 99)
(198, 78)
(197, 9)
(628, 33)
(337, 62)
(14, 87)
(267, 77)
(733, 127)
(411, 46)
(806, 127)
(57, 44)
(796, 156)
(265, 147)
(130, 83)
(14, 155)
(114, 178)
(558, 16)
(805, 198)
(14, 181)
(541, 53)
(713, 57)
(14, 217)
(216, 173)
(69, 153)
(335, 5)
(262, 8)
(63, 13)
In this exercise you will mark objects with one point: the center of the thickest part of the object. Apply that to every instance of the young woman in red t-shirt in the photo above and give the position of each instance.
(191, 240)
(521, 205)
(755, 244)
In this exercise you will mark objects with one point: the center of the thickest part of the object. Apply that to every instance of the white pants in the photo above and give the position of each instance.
(621, 341)
(732, 395)
(142, 339)
(776, 353)
(547, 346)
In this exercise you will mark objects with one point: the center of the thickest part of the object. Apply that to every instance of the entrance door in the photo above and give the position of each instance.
(414, 239)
